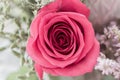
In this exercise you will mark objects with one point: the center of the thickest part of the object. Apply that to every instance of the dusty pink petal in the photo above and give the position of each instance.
(67, 6)
(35, 54)
(39, 71)
(84, 66)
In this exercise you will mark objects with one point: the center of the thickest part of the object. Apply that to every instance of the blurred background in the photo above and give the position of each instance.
(15, 19)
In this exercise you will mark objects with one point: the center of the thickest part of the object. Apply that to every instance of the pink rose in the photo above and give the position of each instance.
(62, 40)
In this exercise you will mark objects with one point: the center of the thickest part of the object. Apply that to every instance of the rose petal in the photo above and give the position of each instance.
(39, 71)
(66, 6)
(56, 62)
(54, 18)
(35, 54)
(79, 68)
(35, 26)
(87, 29)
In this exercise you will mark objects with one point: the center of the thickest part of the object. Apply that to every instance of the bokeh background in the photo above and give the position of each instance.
(15, 18)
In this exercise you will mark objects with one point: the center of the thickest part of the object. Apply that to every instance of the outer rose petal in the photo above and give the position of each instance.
(39, 71)
(36, 55)
(66, 6)
(84, 66)
(34, 26)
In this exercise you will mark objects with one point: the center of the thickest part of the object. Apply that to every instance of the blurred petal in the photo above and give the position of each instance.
(67, 6)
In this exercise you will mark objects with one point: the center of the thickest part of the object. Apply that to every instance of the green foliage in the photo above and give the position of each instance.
(109, 77)
(95, 75)
(24, 73)
(66, 78)
(83, 1)
(21, 22)
(15, 14)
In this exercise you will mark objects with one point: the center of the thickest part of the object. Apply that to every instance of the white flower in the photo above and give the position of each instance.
(108, 66)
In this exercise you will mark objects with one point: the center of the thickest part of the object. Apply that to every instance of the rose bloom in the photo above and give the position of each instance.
(62, 40)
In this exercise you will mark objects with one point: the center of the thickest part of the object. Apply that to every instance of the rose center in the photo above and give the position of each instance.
(60, 37)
